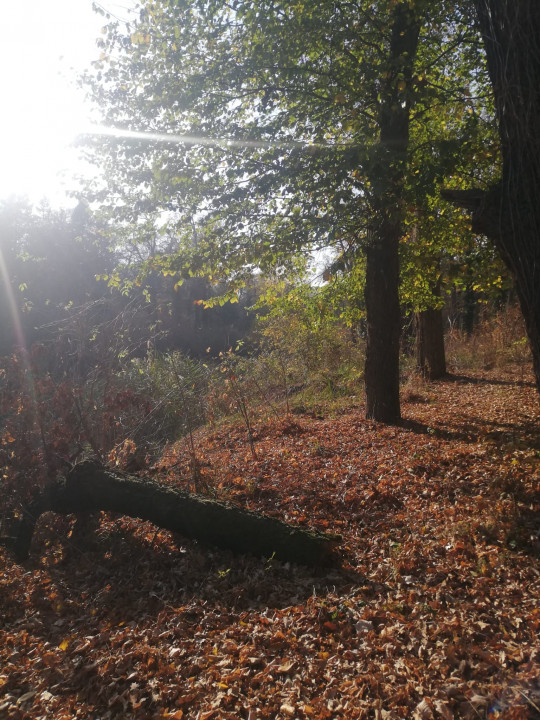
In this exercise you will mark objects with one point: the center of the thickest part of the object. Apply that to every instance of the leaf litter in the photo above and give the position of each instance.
(435, 612)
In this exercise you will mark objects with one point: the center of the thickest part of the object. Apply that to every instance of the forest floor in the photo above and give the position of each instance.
(435, 612)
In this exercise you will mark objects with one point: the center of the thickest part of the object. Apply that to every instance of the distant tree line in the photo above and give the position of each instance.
(52, 265)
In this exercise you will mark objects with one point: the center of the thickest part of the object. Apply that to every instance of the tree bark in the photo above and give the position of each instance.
(430, 357)
(387, 176)
(383, 324)
(89, 486)
(509, 213)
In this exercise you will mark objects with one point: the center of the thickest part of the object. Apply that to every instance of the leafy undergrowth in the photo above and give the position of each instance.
(434, 614)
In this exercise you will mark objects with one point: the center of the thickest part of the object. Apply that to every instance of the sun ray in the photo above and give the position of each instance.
(101, 130)
(13, 311)
(20, 340)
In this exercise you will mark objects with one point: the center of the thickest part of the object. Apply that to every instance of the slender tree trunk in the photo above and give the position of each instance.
(469, 310)
(509, 213)
(383, 320)
(430, 357)
(387, 177)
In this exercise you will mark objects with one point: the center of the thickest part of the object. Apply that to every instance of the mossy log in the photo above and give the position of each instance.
(90, 487)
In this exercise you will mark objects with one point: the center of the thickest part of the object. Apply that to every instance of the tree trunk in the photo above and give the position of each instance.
(387, 176)
(383, 324)
(469, 313)
(509, 213)
(89, 487)
(430, 357)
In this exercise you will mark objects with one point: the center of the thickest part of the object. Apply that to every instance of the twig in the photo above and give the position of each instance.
(528, 699)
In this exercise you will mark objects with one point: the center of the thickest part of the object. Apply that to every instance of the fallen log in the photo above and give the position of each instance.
(90, 487)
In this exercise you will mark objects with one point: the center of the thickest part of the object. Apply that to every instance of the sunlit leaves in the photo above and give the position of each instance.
(277, 75)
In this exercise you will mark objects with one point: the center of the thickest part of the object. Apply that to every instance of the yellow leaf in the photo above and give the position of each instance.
(64, 645)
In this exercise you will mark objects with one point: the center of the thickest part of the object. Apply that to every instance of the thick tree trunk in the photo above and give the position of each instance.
(509, 213)
(387, 177)
(89, 486)
(511, 33)
(518, 242)
(430, 357)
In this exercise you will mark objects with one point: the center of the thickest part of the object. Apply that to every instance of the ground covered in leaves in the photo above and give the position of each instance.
(435, 612)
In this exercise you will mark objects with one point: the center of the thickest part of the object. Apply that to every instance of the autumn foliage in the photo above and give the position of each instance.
(434, 614)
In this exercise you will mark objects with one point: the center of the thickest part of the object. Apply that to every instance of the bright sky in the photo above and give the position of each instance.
(44, 46)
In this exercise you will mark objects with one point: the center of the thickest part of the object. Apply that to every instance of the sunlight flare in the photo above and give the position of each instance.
(13, 311)
(100, 130)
